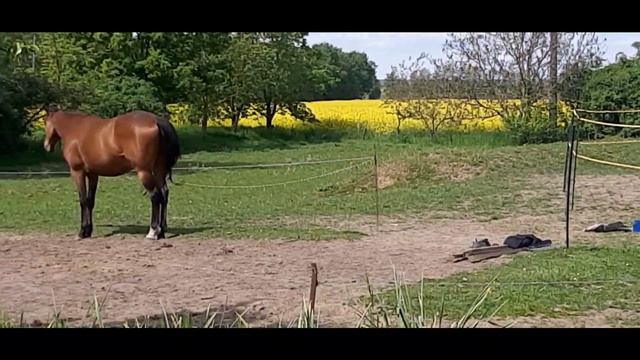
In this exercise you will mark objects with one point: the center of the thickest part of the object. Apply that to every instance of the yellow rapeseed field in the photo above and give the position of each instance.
(369, 114)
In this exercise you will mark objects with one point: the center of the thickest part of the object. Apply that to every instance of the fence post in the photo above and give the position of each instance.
(576, 136)
(377, 186)
(568, 174)
(314, 285)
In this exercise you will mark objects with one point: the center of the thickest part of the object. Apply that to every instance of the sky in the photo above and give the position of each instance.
(389, 49)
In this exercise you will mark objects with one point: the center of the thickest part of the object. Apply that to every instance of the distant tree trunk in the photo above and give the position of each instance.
(235, 119)
(235, 115)
(270, 110)
(33, 55)
(269, 121)
(205, 115)
(553, 79)
(203, 124)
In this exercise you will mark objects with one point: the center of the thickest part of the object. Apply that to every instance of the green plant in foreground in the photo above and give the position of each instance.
(307, 318)
(409, 311)
(404, 310)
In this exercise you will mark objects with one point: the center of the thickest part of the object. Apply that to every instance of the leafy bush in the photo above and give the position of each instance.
(614, 87)
(20, 93)
(533, 127)
(10, 117)
(111, 96)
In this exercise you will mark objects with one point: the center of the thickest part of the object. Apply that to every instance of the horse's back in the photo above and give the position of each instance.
(135, 121)
(117, 145)
(137, 135)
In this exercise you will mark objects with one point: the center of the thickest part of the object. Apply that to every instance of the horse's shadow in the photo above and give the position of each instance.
(220, 316)
(142, 230)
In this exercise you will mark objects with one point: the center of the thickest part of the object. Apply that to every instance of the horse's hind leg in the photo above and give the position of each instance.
(164, 192)
(164, 189)
(149, 183)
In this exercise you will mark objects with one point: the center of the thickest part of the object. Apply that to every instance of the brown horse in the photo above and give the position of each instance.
(93, 147)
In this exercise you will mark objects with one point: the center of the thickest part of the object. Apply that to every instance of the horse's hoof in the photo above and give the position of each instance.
(81, 237)
(152, 234)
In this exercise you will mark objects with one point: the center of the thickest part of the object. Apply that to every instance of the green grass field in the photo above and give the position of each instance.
(477, 174)
(554, 283)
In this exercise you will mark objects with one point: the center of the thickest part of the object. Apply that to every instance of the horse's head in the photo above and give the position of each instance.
(51, 136)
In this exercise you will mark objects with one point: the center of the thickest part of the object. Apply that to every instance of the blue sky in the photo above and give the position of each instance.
(388, 49)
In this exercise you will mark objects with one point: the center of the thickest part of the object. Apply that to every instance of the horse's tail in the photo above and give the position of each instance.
(169, 144)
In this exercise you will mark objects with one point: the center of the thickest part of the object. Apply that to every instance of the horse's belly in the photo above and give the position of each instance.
(111, 167)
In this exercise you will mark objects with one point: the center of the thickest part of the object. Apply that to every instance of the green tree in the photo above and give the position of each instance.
(636, 45)
(239, 88)
(22, 93)
(201, 74)
(110, 73)
(282, 78)
(150, 57)
(347, 75)
(614, 87)
(376, 92)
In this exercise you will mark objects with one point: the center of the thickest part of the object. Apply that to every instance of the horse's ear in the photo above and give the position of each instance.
(50, 109)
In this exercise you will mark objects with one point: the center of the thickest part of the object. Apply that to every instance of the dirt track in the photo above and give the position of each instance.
(266, 278)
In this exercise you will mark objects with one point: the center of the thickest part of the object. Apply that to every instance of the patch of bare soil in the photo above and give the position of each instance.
(396, 172)
(448, 170)
(442, 168)
(393, 172)
(598, 199)
(601, 192)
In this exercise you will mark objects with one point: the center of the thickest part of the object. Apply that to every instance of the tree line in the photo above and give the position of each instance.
(218, 75)
(516, 76)
(520, 77)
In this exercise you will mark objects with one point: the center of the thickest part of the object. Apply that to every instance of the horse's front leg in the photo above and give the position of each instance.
(81, 186)
(91, 202)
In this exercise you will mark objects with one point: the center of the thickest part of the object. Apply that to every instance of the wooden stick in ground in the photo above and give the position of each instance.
(314, 285)
(377, 186)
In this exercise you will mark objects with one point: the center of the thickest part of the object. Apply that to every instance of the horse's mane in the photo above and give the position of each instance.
(75, 113)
